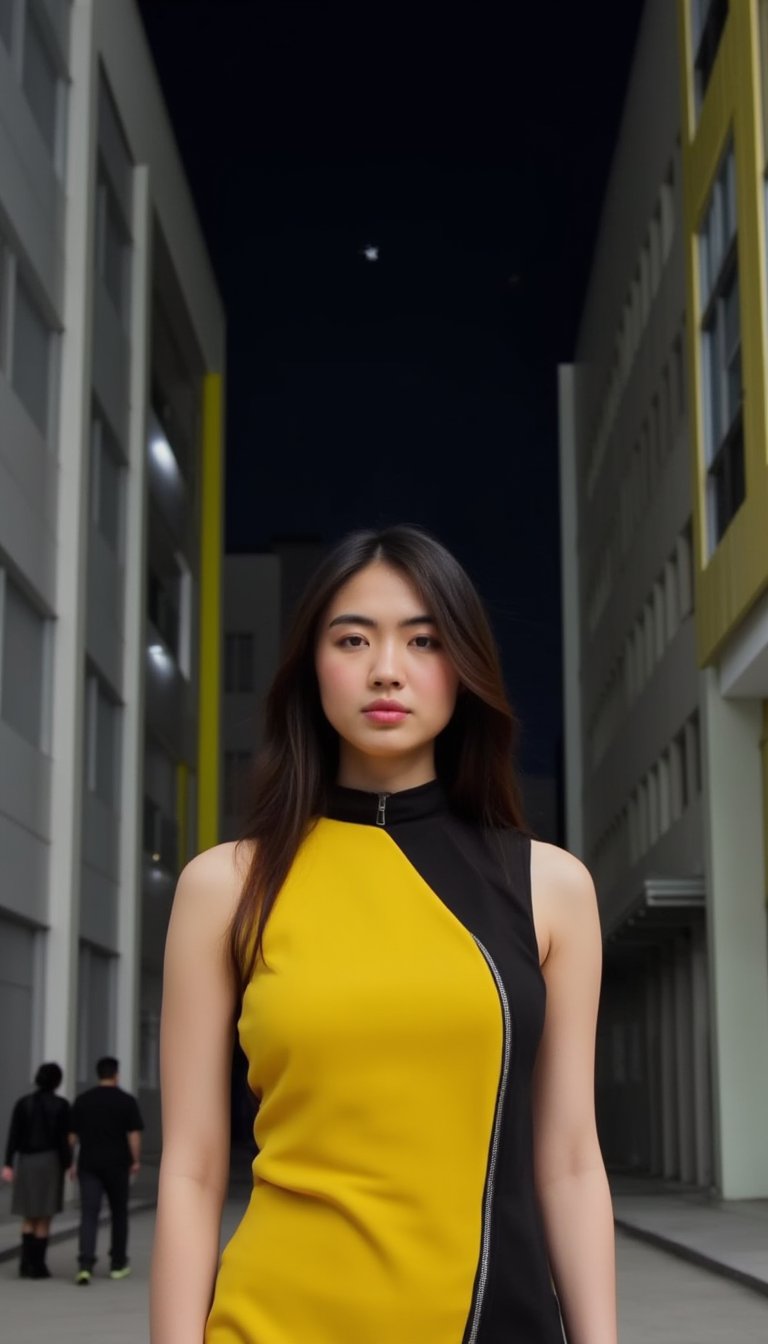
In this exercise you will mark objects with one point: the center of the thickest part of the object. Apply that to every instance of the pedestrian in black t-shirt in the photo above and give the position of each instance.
(106, 1125)
(36, 1156)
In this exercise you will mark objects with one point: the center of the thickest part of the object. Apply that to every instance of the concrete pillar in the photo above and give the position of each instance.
(736, 923)
(702, 1074)
(653, 1090)
(668, 1043)
(134, 664)
(686, 1144)
(60, 1008)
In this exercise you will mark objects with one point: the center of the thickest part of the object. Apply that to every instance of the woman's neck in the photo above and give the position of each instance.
(383, 775)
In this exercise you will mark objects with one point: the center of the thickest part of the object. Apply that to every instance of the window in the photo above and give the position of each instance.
(679, 363)
(30, 369)
(684, 571)
(160, 836)
(102, 742)
(163, 606)
(24, 665)
(659, 623)
(111, 247)
(107, 478)
(648, 632)
(40, 80)
(670, 598)
(721, 354)
(238, 662)
(709, 18)
(664, 798)
(693, 754)
(682, 774)
(6, 22)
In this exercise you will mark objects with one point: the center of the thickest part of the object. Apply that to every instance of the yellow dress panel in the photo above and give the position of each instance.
(374, 1037)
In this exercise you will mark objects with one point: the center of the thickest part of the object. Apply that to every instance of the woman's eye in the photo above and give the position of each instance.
(351, 642)
(426, 642)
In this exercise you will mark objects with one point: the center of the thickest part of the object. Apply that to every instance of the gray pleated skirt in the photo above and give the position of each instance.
(38, 1185)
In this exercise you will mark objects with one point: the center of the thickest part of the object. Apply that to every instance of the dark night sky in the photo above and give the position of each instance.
(471, 143)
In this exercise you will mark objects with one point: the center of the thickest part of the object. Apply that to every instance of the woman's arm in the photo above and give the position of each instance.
(196, 1031)
(570, 1177)
(12, 1145)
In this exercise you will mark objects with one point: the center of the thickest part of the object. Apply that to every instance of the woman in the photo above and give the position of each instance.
(37, 1139)
(428, 1165)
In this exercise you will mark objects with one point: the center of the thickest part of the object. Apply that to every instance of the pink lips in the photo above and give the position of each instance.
(385, 711)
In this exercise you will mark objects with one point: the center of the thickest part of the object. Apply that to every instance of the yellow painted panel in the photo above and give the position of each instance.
(211, 546)
(730, 580)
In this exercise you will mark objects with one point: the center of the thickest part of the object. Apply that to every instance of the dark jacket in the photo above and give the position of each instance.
(39, 1124)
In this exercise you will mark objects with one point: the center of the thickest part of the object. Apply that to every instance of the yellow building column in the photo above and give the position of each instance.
(211, 547)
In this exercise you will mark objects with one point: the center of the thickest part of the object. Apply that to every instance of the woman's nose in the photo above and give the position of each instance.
(385, 670)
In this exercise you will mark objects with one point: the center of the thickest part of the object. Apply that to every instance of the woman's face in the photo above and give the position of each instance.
(386, 683)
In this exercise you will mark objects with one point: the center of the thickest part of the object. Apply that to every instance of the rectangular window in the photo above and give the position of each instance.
(664, 794)
(670, 598)
(678, 777)
(107, 486)
(679, 365)
(642, 816)
(111, 247)
(31, 357)
(102, 742)
(239, 662)
(685, 571)
(40, 80)
(24, 670)
(648, 639)
(163, 606)
(6, 23)
(659, 623)
(653, 806)
(683, 769)
(721, 355)
(709, 18)
(693, 754)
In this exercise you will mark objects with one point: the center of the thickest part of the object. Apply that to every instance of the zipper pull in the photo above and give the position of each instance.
(381, 814)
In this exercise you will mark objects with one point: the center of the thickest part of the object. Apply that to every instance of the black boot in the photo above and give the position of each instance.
(27, 1255)
(39, 1268)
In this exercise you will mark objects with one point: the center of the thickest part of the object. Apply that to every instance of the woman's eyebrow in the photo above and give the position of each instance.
(350, 618)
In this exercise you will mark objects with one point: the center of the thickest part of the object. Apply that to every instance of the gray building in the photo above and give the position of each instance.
(633, 760)
(111, 359)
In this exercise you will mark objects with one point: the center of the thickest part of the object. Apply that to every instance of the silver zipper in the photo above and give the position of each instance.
(381, 815)
(485, 1251)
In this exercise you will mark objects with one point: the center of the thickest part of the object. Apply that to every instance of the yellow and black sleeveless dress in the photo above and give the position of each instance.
(391, 1036)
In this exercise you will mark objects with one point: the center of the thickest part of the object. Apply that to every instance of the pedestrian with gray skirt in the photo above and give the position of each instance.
(36, 1156)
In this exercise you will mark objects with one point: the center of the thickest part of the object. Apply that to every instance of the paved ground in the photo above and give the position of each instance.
(662, 1299)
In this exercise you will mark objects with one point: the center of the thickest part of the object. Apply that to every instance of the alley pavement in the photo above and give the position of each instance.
(684, 1289)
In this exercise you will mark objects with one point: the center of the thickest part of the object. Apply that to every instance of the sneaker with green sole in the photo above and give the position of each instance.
(120, 1273)
(83, 1276)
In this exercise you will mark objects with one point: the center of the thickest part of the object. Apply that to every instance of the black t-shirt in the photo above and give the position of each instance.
(102, 1118)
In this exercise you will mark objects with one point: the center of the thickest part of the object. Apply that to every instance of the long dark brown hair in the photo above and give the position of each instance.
(474, 754)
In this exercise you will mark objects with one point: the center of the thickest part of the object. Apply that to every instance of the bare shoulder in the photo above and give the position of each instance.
(563, 894)
(556, 870)
(210, 884)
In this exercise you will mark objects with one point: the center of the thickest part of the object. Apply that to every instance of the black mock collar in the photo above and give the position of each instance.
(386, 809)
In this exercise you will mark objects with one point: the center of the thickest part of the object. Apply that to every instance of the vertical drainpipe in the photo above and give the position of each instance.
(211, 545)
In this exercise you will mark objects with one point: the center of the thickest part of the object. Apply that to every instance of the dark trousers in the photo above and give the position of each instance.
(113, 1184)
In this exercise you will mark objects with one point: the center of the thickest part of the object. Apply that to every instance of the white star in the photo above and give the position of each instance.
(370, 252)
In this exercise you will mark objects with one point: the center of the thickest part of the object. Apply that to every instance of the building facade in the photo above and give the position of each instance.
(111, 367)
(664, 797)
(723, 62)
